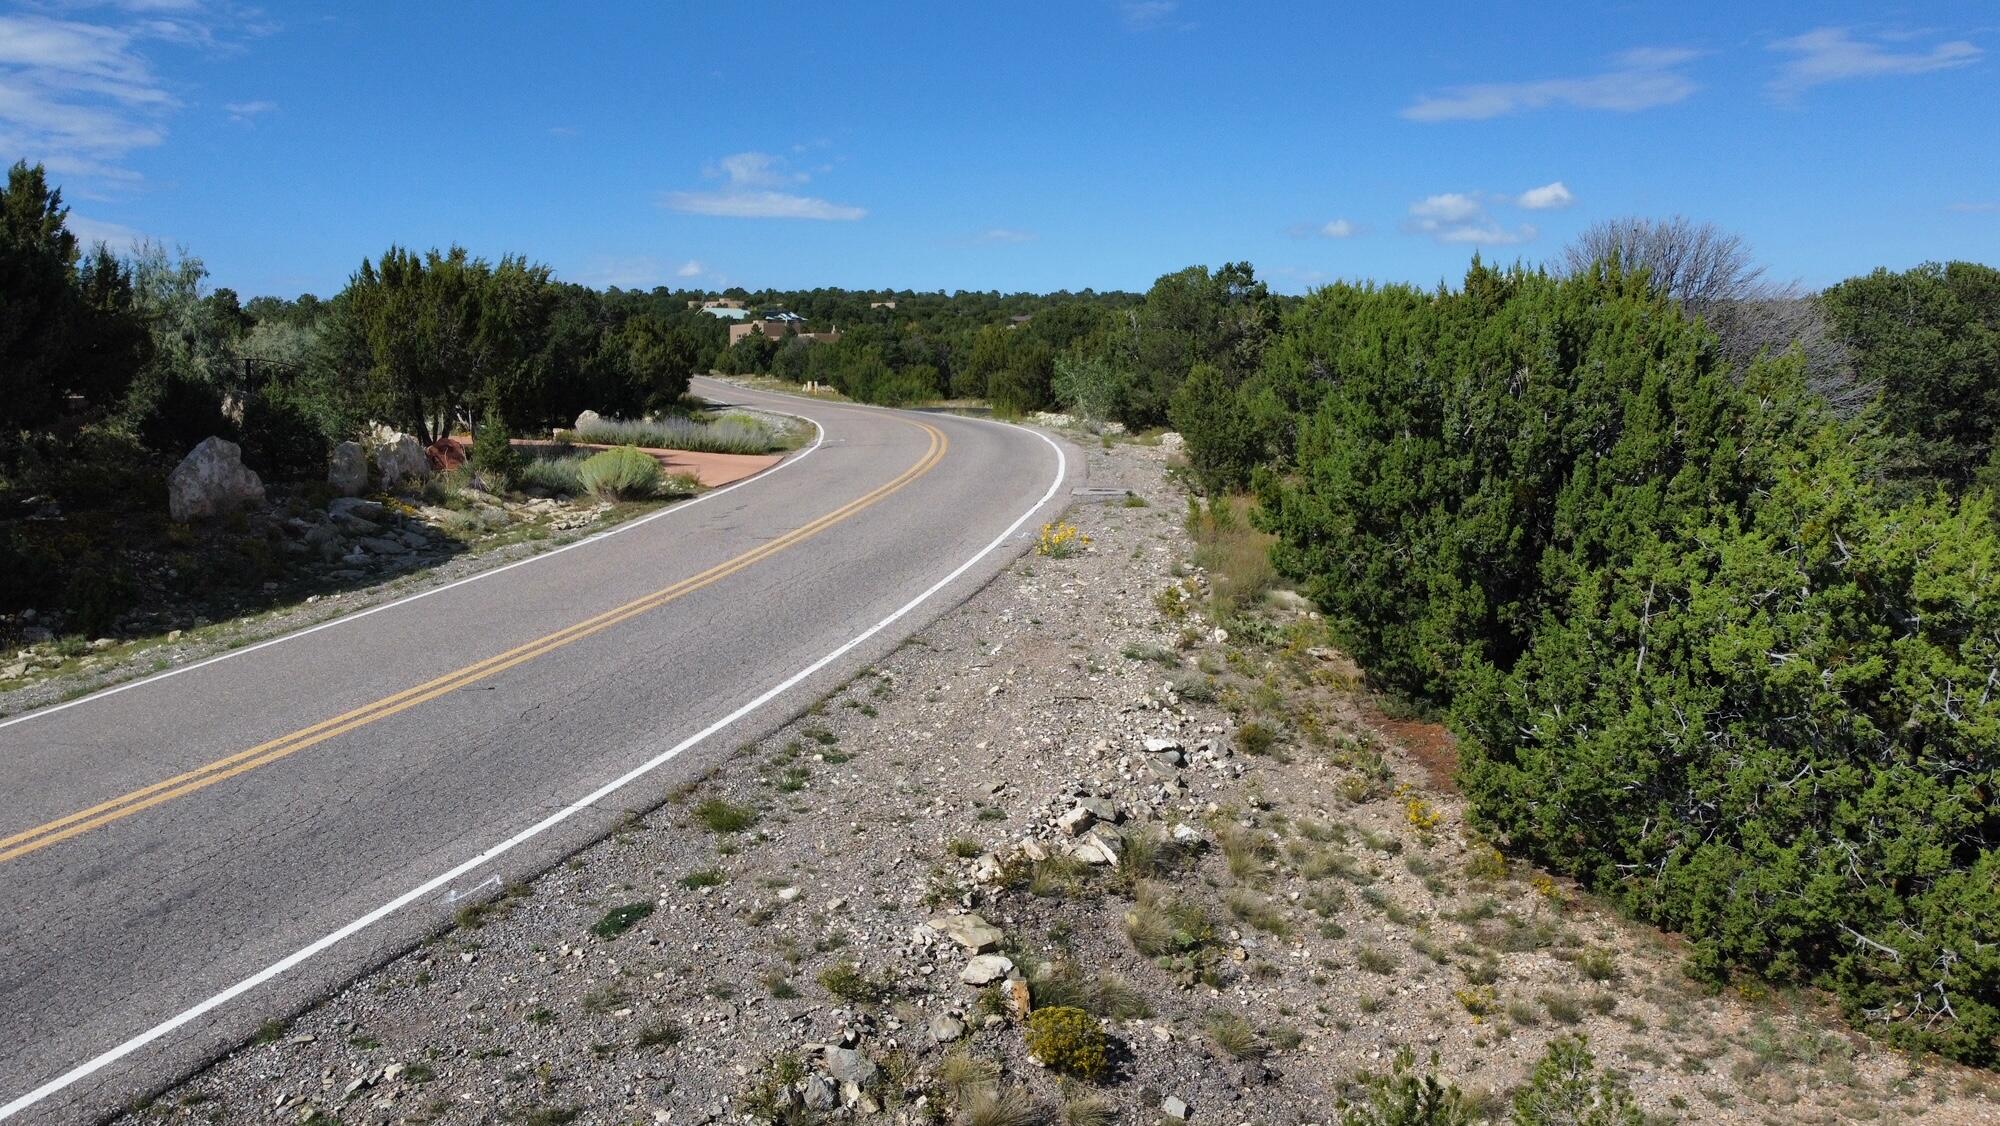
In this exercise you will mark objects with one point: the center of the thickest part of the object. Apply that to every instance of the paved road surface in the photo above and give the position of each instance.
(190, 856)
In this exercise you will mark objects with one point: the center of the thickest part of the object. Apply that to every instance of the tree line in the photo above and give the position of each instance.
(139, 348)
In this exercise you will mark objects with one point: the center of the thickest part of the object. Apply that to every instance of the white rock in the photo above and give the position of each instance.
(969, 931)
(1076, 821)
(347, 472)
(210, 481)
(401, 458)
(1102, 845)
(986, 968)
(946, 1028)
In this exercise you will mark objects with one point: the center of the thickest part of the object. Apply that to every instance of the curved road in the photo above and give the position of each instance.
(188, 856)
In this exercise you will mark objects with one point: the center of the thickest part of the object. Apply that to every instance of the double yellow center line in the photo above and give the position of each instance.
(82, 821)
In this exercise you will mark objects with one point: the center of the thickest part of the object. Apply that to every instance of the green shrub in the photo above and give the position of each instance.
(618, 920)
(1771, 730)
(1928, 340)
(1694, 656)
(731, 434)
(620, 474)
(847, 981)
(1405, 1098)
(493, 452)
(1256, 738)
(1566, 1089)
(561, 475)
(723, 816)
(1068, 1040)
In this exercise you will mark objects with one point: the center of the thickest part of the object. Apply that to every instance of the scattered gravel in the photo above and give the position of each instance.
(951, 839)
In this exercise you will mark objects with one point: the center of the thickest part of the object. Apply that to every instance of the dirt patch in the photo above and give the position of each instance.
(1430, 744)
(712, 470)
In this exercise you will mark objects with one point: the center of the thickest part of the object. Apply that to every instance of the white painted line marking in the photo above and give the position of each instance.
(275, 969)
(454, 895)
(407, 599)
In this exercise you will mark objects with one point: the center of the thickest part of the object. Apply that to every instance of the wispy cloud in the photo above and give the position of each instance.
(1833, 54)
(1548, 197)
(90, 231)
(735, 204)
(1299, 276)
(1464, 218)
(1637, 79)
(1332, 228)
(1450, 207)
(1006, 234)
(81, 95)
(692, 268)
(636, 272)
(1144, 15)
(751, 191)
(245, 112)
(756, 170)
(1977, 207)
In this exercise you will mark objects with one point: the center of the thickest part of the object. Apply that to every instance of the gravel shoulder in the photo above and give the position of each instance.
(1072, 791)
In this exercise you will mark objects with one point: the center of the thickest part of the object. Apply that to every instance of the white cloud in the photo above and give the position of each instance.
(244, 112)
(1300, 276)
(81, 95)
(1458, 217)
(692, 268)
(1486, 234)
(756, 170)
(1832, 54)
(751, 192)
(90, 232)
(1007, 234)
(761, 205)
(1450, 207)
(1976, 207)
(1143, 15)
(1638, 79)
(1548, 197)
(1332, 228)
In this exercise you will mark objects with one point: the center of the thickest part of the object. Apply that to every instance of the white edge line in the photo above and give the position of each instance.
(344, 619)
(290, 961)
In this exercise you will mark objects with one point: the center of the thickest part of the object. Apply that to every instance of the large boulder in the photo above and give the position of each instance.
(348, 471)
(210, 481)
(401, 458)
(587, 419)
(445, 454)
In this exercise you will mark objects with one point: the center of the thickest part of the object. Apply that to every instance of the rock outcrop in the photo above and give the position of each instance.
(401, 458)
(347, 472)
(445, 454)
(210, 481)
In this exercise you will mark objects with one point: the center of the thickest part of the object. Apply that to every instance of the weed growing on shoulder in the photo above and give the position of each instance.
(1060, 540)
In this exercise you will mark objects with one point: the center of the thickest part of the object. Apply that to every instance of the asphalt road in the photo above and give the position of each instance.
(189, 856)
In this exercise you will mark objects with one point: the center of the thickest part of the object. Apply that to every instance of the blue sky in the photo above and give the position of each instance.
(1019, 146)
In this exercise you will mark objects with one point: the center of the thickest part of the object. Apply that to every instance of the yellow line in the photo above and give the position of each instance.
(104, 813)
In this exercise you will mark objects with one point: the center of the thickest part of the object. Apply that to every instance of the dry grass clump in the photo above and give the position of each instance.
(1003, 1106)
(1161, 924)
(964, 1076)
(1236, 1036)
